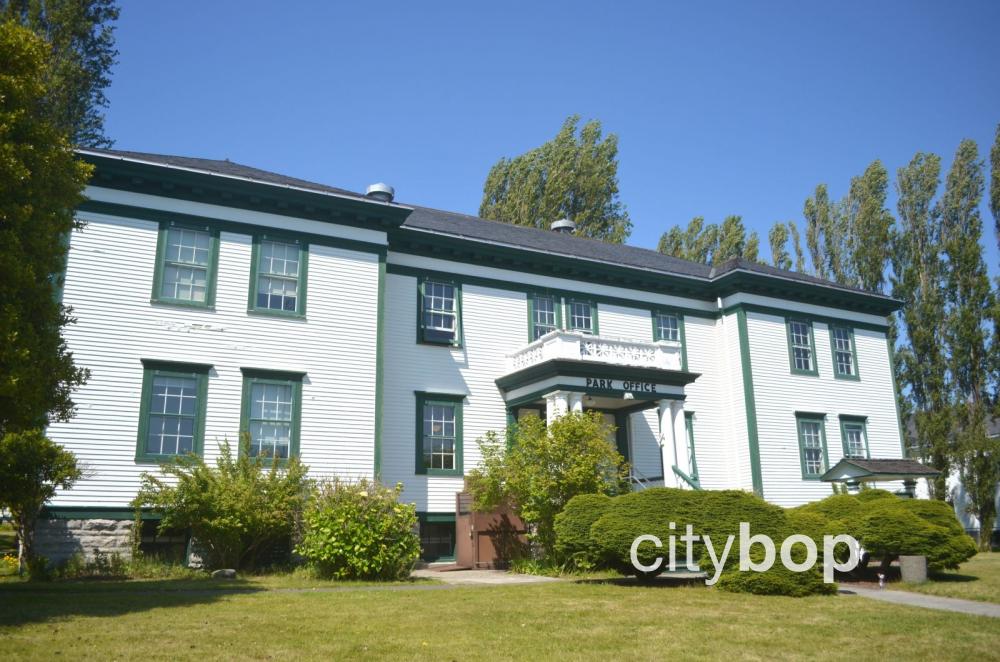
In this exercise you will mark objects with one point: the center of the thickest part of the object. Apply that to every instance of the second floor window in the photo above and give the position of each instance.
(439, 312)
(667, 327)
(544, 316)
(581, 316)
(844, 360)
(801, 347)
(185, 269)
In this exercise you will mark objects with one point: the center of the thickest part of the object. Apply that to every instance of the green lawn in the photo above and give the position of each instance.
(977, 579)
(7, 537)
(564, 620)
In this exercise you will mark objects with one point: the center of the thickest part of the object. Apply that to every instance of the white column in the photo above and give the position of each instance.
(680, 439)
(666, 439)
(576, 402)
(556, 404)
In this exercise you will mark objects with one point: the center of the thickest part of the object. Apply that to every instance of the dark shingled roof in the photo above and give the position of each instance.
(222, 167)
(472, 228)
(892, 466)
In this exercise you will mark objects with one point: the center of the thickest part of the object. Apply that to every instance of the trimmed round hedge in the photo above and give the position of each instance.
(572, 527)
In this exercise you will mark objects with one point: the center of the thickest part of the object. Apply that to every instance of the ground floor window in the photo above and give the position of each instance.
(437, 537)
(439, 434)
(172, 411)
(812, 445)
(272, 412)
(854, 437)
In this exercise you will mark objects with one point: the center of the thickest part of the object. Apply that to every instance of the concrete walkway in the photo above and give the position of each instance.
(480, 577)
(925, 601)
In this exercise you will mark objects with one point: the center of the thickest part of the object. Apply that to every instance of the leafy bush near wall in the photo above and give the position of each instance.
(235, 510)
(359, 530)
(572, 528)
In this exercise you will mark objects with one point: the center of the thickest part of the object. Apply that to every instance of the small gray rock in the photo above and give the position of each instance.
(224, 574)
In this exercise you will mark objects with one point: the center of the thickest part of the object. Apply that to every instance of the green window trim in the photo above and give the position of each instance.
(689, 429)
(301, 278)
(532, 307)
(569, 302)
(153, 369)
(856, 375)
(258, 376)
(211, 267)
(424, 334)
(808, 418)
(657, 336)
(447, 399)
(814, 367)
(858, 422)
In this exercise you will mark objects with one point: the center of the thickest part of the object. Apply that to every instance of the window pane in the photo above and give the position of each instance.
(279, 259)
(440, 319)
(439, 436)
(842, 355)
(801, 347)
(812, 447)
(580, 316)
(277, 293)
(188, 246)
(854, 435)
(545, 316)
(669, 327)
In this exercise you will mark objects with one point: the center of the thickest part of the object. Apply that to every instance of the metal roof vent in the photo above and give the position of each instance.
(380, 191)
(564, 226)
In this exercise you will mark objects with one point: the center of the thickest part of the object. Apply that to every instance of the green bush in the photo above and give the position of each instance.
(778, 580)
(359, 531)
(916, 527)
(872, 494)
(713, 513)
(572, 528)
(236, 510)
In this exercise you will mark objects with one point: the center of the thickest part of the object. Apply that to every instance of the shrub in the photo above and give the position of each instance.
(916, 527)
(572, 528)
(236, 510)
(32, 466)
(713, 513)
(778, 580)
(539, 468)
(872, 494)
(359, 531)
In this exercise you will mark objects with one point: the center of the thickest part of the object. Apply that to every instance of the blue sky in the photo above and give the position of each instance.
(720, 108)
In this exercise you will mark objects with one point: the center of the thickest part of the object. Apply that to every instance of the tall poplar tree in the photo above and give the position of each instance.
(817, 214)
(778, 238)
(995, 184)
(969, 299)
(697, 242)
(868, 228)
(918, 280)
(800, 258)
(574, 176)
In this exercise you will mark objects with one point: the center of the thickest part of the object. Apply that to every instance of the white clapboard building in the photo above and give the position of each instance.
(379, 339)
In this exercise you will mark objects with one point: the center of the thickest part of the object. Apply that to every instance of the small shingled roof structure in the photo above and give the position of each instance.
(857, 470)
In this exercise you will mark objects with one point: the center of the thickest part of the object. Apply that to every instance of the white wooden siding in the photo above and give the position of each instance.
(622, 322)
(779, 394)
(109, 282)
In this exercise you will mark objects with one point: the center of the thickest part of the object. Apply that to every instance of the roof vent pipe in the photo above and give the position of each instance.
(564, 226)
(380, 191)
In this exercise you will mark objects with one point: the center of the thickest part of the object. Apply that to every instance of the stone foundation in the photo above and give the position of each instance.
(60, 539)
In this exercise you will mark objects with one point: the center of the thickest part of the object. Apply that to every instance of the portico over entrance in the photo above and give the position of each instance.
(571, 371)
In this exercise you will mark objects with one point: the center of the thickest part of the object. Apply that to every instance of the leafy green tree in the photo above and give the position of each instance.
(40, 185)
(574, 175)
(81, 34)
(32, 468)
(236, 509)
(536, 470)
(778, 237)
(698, 242)
(970, 301)
(734, 243)
(800, 259)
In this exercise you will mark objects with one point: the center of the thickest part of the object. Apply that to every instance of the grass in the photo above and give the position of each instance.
(562, 620)
(977, 579)
(7, 537)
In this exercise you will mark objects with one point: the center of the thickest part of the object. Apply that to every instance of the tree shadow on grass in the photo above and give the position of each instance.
(33, 602)
(662, 581)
